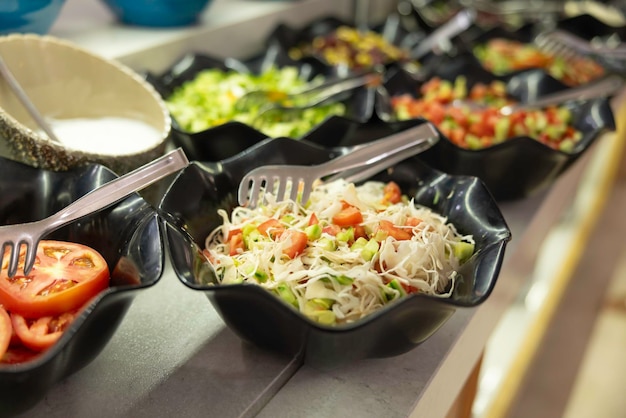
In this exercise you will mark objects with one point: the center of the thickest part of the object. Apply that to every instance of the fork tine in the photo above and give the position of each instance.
(306, 192)
(14, 257)
(281, 188)
(31, 253)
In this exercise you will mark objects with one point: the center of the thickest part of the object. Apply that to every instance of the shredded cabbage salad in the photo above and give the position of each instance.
(209, 100)
(348, 252)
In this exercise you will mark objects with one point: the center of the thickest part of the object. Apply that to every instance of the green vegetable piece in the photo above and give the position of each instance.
(399, 290)
(345, 235)
(316, 310)
(460, 87)
(248, 229)
(344, 280)
(473, 142)
(313, 232)
(358, 244)
(323, 303)
(502, 129)
(261, 276)
(463, 250)
(285, 293)
(566, 145)
(327, 244)
(288, 219)
(369, 251)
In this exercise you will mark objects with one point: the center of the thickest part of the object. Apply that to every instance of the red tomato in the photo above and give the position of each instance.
(6, 330)
(349, 216)
(236, 244)
(18, 354)
(394, 231)
(392, 193)
(271, 228)
(331, 229)
(39, 334)
(296, 242)
(65, 276)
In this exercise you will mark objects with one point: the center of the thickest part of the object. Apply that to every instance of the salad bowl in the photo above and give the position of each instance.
(127, 235)
(229, 136)
(259, 317)
(519, 166)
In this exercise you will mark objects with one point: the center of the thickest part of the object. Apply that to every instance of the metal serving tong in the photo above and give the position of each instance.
(456, 25)
(13, 237)
(288, 181)
(267, 99)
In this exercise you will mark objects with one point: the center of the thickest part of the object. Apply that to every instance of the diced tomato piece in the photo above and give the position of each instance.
(236, 244)
(392, 193)
(331, 229)
(271, 228)
(349, 216)
(296, 242)
(6, 331)
(233, 231)
(359, 232)
(313, 219)
(393, 231)
(412, 221)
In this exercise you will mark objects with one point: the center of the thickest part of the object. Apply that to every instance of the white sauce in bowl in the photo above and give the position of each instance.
(107, 135)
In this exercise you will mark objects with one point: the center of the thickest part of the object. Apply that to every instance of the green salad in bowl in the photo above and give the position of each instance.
(210, 98)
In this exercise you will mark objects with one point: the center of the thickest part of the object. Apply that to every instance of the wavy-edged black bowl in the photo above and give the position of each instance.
(228, 139)
(517, 167)
(261, 318)
(127, 235)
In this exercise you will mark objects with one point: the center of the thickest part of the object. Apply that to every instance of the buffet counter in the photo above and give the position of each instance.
(174, 356)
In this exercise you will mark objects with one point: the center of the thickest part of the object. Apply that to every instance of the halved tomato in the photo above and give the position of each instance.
(65, 276)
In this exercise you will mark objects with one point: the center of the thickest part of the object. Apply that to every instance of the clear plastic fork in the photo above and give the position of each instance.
(295, 182)
(13, 237)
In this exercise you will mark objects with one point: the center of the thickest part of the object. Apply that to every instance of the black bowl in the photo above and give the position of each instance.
(259, 317)
(228, 139)
(128, 237)
(517, 167)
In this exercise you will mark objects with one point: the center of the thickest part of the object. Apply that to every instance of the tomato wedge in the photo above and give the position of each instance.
(6, 330)
(65, 276)
(39, 334)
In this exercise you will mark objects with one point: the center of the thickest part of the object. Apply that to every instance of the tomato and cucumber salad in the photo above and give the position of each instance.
(502, 56)
(479, 127)
(36, 309)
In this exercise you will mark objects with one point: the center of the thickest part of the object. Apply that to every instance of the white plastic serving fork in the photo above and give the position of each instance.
(364, 161)
(29, 234)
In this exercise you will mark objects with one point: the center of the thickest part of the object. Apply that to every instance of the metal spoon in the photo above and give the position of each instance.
(25, 100)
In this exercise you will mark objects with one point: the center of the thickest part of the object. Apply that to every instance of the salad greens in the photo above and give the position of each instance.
(209, 100)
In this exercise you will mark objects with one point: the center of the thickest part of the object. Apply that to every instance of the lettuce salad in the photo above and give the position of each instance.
(209, 100)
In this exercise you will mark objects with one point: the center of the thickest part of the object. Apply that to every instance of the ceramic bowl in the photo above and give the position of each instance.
(157, 13)
(128, 237)
(67, 83)
(261, 318)
(33, 16)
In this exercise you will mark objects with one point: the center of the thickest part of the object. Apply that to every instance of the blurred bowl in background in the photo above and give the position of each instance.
(157, 13)
(32, 16)
(102, 111)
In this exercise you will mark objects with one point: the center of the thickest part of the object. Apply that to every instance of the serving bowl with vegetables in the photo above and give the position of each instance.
(365, 270)
(203, 95)
(58, 318)
(516, 154)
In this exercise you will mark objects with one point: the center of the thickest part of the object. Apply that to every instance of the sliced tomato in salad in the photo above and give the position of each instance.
(6, 331)
(64, 277)
(39, 334)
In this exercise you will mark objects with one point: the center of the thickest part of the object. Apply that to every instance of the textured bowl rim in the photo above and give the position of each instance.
(49, 39)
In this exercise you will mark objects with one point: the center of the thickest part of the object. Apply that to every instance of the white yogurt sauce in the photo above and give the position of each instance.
(108, 135)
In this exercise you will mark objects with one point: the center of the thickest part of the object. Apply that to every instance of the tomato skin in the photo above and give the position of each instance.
(399, 234)
(392, 193)
(65, 276)
(271, 228)
(36, 334)
(6, 331)
(349, 216)
(297, 242)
